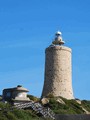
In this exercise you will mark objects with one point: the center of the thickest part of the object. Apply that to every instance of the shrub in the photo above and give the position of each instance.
(31, 97)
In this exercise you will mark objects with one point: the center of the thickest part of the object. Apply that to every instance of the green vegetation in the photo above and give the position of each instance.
(70, 106)
(8, 114)
(86, 104)
(35, 99)
(67, 107)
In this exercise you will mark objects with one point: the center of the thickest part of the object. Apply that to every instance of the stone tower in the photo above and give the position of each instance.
(58, 69)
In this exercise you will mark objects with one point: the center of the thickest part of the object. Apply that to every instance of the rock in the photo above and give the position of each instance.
(87, 112)
(60, 101)
(44, 101)
(78, 101)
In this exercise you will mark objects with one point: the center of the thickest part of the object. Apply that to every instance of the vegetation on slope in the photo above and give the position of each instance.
(67, 107)
(86, 105)
(70, 107)
(8, 114)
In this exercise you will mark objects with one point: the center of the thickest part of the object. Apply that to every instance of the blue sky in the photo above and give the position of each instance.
(27, 27)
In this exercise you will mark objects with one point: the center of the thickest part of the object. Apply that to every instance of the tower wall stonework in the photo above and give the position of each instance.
(58, 72)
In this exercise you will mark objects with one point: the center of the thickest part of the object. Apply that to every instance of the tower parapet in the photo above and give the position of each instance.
(58, 69)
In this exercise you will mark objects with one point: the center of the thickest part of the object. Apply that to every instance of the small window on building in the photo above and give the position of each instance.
(8, 94)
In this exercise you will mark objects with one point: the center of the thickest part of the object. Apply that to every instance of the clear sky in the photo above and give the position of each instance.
(27, 27)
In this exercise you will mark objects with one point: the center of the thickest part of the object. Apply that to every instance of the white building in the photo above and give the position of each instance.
(16, 94)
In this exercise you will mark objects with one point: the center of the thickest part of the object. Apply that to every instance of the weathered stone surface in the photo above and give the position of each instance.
(58, 72)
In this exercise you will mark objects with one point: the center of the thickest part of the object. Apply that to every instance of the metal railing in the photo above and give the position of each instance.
(46, 112)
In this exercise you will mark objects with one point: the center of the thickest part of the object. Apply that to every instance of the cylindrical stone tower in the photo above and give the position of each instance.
(58, 70)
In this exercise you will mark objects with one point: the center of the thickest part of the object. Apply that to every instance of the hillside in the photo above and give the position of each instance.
(57, 105)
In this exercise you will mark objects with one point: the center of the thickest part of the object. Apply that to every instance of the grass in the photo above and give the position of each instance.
(86, 104)
(7, 114)
(70, 106)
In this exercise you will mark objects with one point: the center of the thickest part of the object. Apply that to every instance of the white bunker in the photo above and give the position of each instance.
(16, 94)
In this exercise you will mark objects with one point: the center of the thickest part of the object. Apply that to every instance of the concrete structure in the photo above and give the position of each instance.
(58, 70)
(17, 94)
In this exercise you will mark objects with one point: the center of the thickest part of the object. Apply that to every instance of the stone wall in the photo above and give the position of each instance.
(73, 117)
(58, 72)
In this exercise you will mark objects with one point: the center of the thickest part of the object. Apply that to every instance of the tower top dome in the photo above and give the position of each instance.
(58, 33)
(58, 39)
